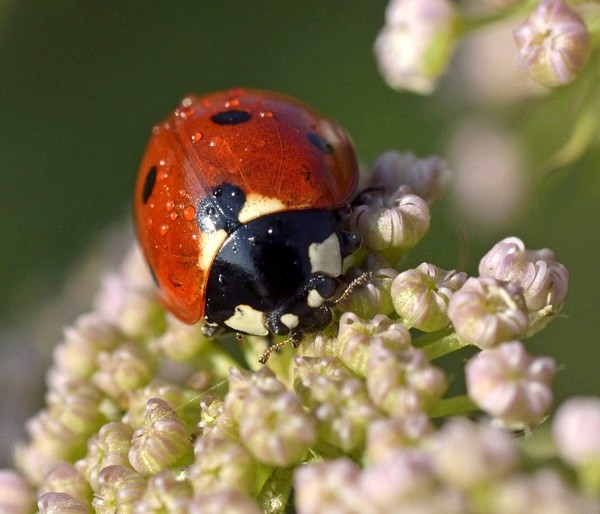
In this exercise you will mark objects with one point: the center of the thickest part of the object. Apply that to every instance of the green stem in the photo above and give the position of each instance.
(453, 407)
(438, 344)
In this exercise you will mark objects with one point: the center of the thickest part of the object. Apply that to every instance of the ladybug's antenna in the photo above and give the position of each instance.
(357, 282)
(294, 340)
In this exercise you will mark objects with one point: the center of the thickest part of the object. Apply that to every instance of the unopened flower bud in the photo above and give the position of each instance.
(511, 385)
(331, 486)
(221, 464)
(416, 42)
(275, 427)
(372, 297)
(543, 280)
(356, 336)
(61, 503)
(337, 399)
(120, 487)
(214, 420)
(77, 356)
(161, 441)
(394, 229)
(164, 492)
(485, 312)
(403, 382)
(576, 431)
(467, 455)
(128, 368)
(109, 447)
(425, 177)
(421, 296)
(63, 477)
(242, 382)
(387, 436)
(553, 42)
(16, 495)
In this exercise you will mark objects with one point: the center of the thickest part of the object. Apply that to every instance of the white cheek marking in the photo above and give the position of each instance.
(290, 320)
(314, 299)
(326, 257)
(211, 243)
(249, 320)
(256, 206)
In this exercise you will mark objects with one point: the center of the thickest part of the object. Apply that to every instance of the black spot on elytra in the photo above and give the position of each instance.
(149, 183)
(320, 142)
(221, 209)
(231, 117)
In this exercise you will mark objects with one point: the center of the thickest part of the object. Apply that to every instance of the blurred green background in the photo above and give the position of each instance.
(83, 82)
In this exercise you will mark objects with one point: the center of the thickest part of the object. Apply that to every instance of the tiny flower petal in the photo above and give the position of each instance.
(553, 42)
(511, 385)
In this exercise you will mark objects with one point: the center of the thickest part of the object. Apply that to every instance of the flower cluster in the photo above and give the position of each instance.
(147, 415)
(419, 37)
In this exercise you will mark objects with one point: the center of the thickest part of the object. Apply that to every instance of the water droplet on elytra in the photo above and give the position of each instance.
(173, 215)
(182, 192)
(189, 213)
(169, 205)
(163, 229)
(196, 136)
(266, 114)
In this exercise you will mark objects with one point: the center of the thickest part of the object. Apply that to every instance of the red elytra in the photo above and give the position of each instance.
(277, 150)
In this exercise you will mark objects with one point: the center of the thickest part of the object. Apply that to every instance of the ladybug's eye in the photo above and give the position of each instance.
(149, 183)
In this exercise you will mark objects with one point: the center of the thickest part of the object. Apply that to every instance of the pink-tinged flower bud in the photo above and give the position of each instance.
(336, 398)
(330, 486)
(467, 455)
(387, 436)
(181, 342)
(60, 503)
(230, 502)
(16, 495)
(403, 382)
(553, 42)
(405, 479)
(221, 464)
(63, 477)
(161, 441)
(543, 280)
(356, 336)
(576, 431)
(109, 447)
(242, 382)
(128, 368)
(183, 400)
(511, 385)
(485, 312)
(396, 228)
(275, 427)
(77, 356)
(372, 297)
(416, 43)
(165, 492)
(426, 177)
(544, 491)
(119, 488)
(421, 296)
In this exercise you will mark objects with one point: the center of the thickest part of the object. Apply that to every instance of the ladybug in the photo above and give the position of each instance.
(238, 204)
